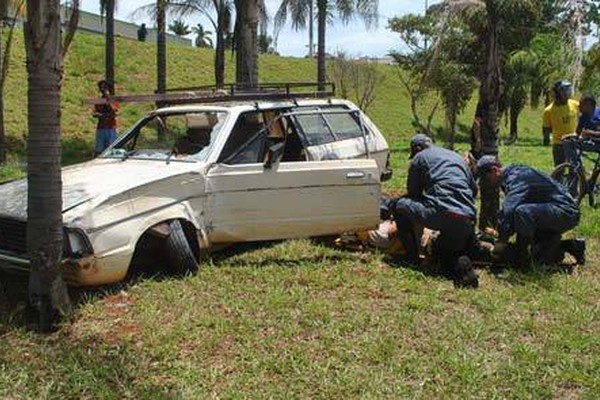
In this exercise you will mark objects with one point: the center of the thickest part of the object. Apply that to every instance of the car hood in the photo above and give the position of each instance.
(84, 182)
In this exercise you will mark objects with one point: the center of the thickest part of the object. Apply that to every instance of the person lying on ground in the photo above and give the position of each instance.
(537, 209)
(440, 196)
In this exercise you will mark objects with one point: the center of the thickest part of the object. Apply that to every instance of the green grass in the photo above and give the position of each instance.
(297, 319)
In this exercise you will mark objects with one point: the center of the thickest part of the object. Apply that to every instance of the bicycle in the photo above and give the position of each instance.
(572, 174)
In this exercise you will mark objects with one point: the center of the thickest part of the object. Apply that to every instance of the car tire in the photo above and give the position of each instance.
(181, 256)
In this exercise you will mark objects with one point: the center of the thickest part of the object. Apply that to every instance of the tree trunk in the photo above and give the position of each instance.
(220, 47)
(2, 55)
(311, 30)
(322, 31)
(451, 121)
(247, 43)
(489, 98)
(161, 46)
(109, 56)
(514, 125)
(48, 291)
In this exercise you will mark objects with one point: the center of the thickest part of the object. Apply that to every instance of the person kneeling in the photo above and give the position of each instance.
(535, 208)
(441, 197)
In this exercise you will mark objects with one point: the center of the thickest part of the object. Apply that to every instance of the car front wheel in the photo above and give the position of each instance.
(181, 256)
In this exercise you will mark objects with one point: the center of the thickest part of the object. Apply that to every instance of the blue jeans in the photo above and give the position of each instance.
(104, 138)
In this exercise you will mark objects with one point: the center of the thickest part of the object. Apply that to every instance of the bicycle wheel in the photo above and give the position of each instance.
(572, 178)
(594, 189)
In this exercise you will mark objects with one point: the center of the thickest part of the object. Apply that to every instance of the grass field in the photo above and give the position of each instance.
(298, 319)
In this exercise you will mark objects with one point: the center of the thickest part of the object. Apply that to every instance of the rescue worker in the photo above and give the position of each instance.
(441, 191)
(560, 119)
(535, 208)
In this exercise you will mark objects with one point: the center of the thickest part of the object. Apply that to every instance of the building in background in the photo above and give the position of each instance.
(94, 23)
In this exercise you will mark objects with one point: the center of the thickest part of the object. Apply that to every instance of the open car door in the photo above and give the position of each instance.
(248, 200)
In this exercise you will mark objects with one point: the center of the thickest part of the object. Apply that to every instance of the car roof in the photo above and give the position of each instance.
(251, 105)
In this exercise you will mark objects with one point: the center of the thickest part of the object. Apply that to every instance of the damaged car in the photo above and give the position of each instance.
(190, 179)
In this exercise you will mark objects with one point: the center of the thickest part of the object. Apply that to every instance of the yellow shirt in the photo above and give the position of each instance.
(561, 119)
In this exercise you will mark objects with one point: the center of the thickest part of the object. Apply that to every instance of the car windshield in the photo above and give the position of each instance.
(187, 136)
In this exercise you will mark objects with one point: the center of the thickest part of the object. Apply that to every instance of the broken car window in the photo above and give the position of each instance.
(177, 136)
(247, 140)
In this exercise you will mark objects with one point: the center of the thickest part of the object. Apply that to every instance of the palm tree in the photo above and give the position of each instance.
(161, 46)
(179, 28)
(48, 290)
(246, 40)
(301, 14)
(158, 12)
(219, 13)
(487, 16)
(203, 37)
(8, 21)
(107, 8)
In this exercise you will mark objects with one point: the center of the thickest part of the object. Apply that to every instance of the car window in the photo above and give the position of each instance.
(345, 126)
(246, 141)
(178, 136)
(329, 125)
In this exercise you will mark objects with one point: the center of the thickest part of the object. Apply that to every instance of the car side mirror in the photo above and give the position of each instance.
(274, 155)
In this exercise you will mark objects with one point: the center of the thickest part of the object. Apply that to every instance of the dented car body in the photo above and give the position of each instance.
(228, 173)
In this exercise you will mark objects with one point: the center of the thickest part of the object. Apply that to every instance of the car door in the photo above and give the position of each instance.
(248, 202)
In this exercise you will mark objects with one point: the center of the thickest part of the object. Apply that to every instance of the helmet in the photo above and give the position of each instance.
(565, 87)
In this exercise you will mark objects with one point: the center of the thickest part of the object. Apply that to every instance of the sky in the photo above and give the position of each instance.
(352, 38)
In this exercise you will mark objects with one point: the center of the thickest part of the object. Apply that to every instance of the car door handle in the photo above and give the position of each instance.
(355, 175)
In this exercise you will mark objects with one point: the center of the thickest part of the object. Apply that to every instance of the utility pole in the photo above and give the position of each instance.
(311, 31)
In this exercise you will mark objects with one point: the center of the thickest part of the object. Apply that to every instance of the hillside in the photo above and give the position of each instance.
(135, 73)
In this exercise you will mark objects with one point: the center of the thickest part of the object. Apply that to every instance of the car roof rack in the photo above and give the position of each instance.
(229, 93)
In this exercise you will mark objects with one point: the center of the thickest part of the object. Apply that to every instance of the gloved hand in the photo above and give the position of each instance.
(499, 249)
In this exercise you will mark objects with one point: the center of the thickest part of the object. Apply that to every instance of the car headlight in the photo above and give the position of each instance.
(79, 244)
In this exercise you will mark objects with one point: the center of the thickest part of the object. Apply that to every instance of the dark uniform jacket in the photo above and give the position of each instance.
(441, 179)
(525, 185)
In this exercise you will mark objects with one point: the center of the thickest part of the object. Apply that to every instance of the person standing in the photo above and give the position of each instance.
(106, 113)
(142, 33)
(560, 119)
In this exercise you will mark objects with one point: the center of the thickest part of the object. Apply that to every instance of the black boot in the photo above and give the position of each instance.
(522, 257)
(464, 274)
(576, 248)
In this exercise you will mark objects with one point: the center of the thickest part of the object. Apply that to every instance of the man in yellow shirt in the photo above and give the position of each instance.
(560, 119)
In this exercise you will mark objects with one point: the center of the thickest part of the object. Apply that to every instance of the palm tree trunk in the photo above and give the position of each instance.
(109, 56)
(514, 125)
(44, 202)
(2, 55)
(247, 43)
(161, 46)
(322, 30)
(489, 97)
(311, 30)
(220, 47)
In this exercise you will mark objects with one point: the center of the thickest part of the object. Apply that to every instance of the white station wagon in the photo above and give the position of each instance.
(191, 179)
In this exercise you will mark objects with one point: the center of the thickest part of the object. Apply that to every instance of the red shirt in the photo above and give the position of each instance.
(108, 114)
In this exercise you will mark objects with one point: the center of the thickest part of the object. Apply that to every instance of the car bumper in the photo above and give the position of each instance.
(85, 271)
(386, 175)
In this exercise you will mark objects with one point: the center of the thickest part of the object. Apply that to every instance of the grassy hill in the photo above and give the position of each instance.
(135, 74)
(298, 319)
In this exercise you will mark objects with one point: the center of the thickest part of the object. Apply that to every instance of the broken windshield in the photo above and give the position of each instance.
(186, 136)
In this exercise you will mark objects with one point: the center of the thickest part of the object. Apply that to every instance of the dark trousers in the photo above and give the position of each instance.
(457, 233)
(558, 154)
(541, 226)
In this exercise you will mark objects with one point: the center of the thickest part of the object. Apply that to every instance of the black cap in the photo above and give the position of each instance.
(485, 165)
(419, 142)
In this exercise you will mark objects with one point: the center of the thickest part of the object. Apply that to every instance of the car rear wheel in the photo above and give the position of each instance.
(181, 256)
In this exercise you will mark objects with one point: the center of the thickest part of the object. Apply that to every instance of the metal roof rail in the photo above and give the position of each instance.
(213, 94)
